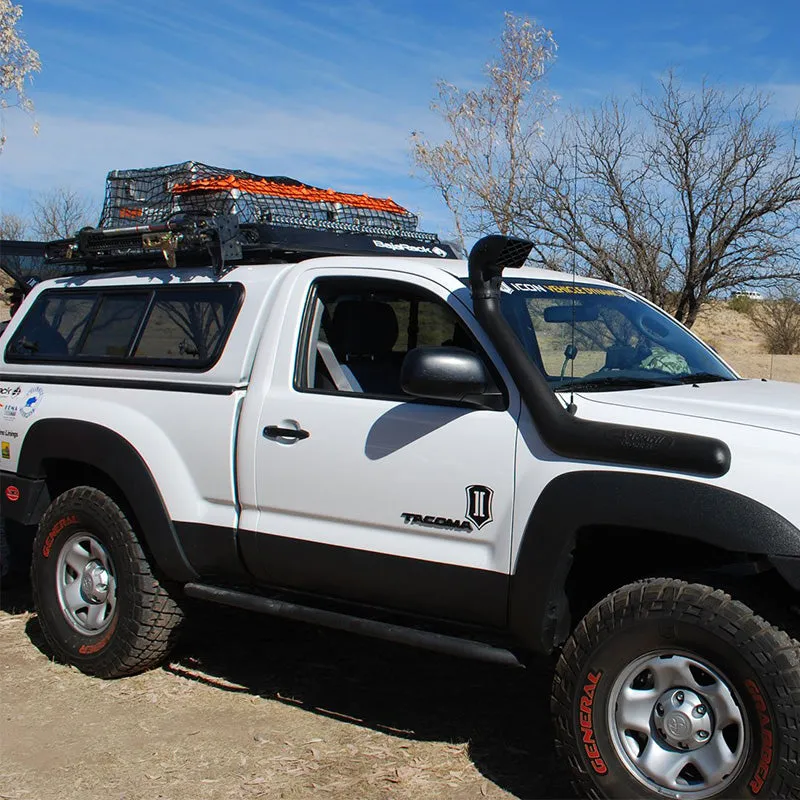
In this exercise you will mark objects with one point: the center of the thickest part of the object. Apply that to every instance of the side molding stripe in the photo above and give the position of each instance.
(125, 383)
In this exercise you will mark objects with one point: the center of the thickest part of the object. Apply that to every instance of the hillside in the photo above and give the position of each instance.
(736, 339)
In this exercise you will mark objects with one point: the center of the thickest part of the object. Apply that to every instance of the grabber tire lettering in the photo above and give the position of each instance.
(654, 665)
(100, 604)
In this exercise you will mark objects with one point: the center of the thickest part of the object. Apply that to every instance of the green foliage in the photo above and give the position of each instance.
(741, 304)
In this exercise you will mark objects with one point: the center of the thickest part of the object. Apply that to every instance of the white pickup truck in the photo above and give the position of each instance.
(477, 457)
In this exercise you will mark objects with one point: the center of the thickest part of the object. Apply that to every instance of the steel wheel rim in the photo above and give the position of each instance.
(678, 750)
(86, 584)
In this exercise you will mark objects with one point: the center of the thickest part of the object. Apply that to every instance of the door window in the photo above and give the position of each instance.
(358, 332)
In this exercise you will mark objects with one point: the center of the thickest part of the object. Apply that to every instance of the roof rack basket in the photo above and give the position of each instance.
(192, 214)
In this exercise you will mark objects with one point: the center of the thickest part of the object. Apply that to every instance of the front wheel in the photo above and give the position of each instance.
(100, 606)
(675, 690)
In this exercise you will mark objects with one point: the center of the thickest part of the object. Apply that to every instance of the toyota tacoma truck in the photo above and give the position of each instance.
(335, 419)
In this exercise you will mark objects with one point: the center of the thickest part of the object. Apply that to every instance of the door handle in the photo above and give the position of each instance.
(276, 432)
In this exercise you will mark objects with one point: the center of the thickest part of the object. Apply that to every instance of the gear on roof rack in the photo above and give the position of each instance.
(192, 214)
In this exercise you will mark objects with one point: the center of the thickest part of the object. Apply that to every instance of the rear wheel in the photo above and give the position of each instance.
(100, 606)
(669, 689)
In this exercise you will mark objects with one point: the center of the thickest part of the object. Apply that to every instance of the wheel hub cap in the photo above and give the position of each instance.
(683, 720)
(86, 584)
(678, 726)
(94, 583)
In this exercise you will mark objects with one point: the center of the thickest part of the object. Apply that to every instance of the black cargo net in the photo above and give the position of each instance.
(149, 196)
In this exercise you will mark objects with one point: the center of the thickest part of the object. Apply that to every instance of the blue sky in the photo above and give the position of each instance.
(328, 92)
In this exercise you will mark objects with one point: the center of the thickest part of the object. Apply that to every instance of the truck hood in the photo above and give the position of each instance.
(756, 403)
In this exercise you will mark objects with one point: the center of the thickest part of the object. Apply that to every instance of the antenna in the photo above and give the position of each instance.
(573, 351)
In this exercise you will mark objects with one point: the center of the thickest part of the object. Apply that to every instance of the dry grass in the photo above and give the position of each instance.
(736, 339)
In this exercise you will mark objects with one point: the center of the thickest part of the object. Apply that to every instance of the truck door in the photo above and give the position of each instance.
(361, 491)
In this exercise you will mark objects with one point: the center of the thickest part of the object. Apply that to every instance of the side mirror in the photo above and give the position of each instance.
(449, 373)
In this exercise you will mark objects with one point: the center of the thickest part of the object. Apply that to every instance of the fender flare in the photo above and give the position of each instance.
(539, 610)
(111, 454)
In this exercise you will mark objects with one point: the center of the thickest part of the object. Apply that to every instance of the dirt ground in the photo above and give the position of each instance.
(252, 707)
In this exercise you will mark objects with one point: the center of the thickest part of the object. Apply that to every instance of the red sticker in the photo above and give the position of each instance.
(12, 493)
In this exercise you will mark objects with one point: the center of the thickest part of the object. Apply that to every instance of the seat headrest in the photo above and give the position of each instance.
(620, 356)
(363, 327)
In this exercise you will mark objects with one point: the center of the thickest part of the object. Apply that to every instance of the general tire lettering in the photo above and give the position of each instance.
(586, 724)
(765, 724)
(760, 662)
(54, 531)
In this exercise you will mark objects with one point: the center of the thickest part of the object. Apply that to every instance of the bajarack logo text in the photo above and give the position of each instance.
(410, 248)
(430, 521)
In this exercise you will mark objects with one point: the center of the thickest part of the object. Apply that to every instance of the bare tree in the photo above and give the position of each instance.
(12, 226)
(18, 62)
(701, 196)
(738, 182)
(60, 213)
(202, 324)
(778, 320)
(492, 132)
(589, 201)
(678, 195)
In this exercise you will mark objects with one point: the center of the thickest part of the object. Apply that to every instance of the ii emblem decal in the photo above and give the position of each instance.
(479, 505)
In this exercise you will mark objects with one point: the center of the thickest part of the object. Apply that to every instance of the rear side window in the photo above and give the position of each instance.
(181, 327)
(53, 328)
(114, 325)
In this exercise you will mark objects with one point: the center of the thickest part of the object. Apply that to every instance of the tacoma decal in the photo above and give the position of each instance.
(430, 521)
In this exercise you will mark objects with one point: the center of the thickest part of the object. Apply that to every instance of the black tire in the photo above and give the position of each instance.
(642, 624)
(140, 621)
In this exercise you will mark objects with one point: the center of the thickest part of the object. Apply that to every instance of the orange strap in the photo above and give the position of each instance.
(130, 213)
(263, 186)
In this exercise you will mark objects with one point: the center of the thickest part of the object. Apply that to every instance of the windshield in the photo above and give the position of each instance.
(598, 338)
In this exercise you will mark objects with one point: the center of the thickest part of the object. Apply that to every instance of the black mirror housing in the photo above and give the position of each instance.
(451, 374)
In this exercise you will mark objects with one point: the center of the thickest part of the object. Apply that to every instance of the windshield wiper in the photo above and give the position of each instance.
(703, 377)
(614, 382)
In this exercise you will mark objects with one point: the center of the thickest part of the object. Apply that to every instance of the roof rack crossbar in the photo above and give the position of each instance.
(222, 243)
